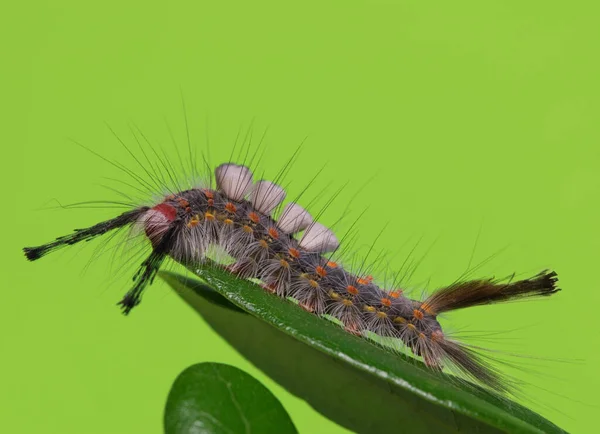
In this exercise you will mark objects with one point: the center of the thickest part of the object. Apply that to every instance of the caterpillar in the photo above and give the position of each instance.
(291, 256)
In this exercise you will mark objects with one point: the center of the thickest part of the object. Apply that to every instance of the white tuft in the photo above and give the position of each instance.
(265, 196)
(294, 219)
(319, 238)
(233, 180)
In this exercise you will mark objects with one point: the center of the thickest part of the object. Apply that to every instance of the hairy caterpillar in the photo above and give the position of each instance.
(236, 214)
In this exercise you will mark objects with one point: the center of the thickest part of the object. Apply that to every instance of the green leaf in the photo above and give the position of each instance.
(214, 398)
(359, 385)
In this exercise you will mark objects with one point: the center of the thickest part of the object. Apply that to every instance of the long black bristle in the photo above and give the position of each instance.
(34, 253)
(148, 270)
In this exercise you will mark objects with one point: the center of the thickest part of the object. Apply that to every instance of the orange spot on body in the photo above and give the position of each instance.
(334, 295)
(395, 294)
(411, 327)
(247, 229)
(228, 221)
(365, 280)
(263, 244)
(231, 208)
(254, 217)
(332, 264)
(399, 320)
(211, 202)
(418, 314)
(284, 263)
(183, 203)
(188, 209)
(209, 216)
(421, 336)
(294, 253)
(352, 290)
(194, 221)
(321, 272)
(209, 194)
(273, 233)
(370, 308)
(381, 315)
(347, 302)
(386, 302)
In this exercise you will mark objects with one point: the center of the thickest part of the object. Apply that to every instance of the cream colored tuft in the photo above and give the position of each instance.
(319, 238)
(265, 196)
(233, 180)
(294, 219)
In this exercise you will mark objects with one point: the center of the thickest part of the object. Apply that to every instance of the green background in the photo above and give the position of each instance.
(441, 117)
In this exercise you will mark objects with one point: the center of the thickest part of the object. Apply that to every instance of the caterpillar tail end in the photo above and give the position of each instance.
(545, 283)
(489, 291)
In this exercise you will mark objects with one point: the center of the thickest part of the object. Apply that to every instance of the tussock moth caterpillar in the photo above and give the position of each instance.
(290, 252)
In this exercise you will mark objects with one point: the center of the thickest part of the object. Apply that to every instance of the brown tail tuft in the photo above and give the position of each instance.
(487, 291)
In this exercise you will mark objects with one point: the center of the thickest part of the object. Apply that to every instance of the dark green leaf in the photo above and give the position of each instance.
(213, 398)
(357, 384)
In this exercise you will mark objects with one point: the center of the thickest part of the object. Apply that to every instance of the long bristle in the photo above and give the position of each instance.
(148, 270)
(471, 364)
(488, 291)
(34, 253)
